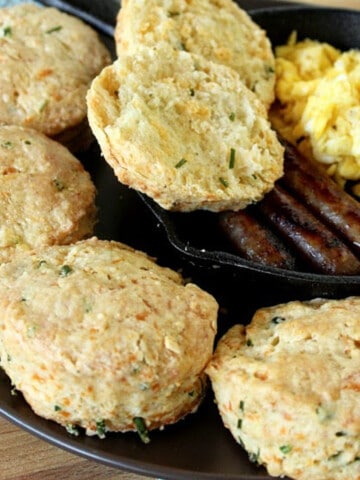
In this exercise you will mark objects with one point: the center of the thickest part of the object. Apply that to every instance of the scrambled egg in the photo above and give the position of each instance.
(318, 105)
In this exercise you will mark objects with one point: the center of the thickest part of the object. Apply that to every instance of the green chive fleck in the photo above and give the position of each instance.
(232, 116)
(239, 423)
(240, 440)
(254, 457)
(58, 185)
(65, 270)
(31, 331)
(192, 92)
(277, 320)
(232, 158)
(27, 142)
(88, 307)
(54, 29)
(223, 182)
(7, 31)
(181, 163)
(43, 106)
(70, 428)
(335, 455)
(249, 342)
(57, 408)
(101, 428)
(323, 413)
(7, 144)
(241, 405)
(141, 429)
(285, 449)
(269, 71)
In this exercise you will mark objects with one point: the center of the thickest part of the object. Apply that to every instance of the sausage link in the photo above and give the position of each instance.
(318, 246)
(254, 241)
(308, 182)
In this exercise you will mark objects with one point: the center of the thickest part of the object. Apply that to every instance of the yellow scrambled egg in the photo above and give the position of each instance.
(318, 105)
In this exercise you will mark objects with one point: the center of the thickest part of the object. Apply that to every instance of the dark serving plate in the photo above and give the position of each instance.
(199, 447)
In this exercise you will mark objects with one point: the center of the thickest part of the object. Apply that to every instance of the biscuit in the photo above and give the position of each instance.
(48, 59)
(217, 29)
(183, 130)
(46, 196)
(287, 387)
(96, 334)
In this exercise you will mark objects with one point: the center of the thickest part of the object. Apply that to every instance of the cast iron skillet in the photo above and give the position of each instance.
(196, 235)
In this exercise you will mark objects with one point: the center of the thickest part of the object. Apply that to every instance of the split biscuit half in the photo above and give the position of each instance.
(183, 130)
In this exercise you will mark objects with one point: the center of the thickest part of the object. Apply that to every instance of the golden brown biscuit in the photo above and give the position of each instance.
(218, 30)
(46, 196)
(97, 335)
(287, 386)
(184, 130)
(48, 59)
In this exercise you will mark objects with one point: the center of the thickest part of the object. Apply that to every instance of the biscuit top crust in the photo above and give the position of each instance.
(46, 196)
(217, 29)
(288, 340)
(48, 59)
(184, 130)
(99, 304)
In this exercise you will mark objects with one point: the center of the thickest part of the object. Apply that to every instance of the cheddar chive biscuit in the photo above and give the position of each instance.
(46, 196)
(48, 59)
(287, 387)
(97, 335)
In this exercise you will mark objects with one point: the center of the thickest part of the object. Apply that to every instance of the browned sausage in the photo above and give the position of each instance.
(317, 245)
(255, 241)
(323, 196)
